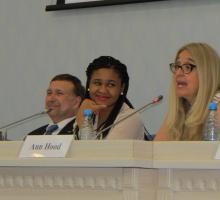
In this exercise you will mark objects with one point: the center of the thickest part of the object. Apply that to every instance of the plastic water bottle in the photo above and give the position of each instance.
(211, 130)
(86, 131)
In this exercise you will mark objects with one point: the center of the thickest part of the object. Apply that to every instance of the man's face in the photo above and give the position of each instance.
(61, 100)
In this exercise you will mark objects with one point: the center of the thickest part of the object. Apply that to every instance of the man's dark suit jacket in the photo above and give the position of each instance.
(67, 130)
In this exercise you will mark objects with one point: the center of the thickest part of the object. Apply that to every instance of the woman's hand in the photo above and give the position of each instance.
(87, 104)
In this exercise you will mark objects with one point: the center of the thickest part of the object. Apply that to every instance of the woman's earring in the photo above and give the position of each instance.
(122, 93)
(88, 89)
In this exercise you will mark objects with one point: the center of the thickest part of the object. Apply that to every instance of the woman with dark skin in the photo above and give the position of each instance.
(106, 90)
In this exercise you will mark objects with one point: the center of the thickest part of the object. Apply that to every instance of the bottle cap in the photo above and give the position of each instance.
(213, 106)
(88, 112)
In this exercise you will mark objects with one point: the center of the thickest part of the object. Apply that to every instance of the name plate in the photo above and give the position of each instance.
(217, 154)
(46, 146)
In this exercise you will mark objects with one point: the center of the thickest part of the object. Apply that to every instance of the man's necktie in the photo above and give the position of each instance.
(51, 129)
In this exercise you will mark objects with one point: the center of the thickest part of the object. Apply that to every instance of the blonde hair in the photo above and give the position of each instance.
(186, 122)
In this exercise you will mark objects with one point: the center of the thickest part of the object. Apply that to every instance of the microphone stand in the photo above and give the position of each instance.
(3, 135)
(154, 101)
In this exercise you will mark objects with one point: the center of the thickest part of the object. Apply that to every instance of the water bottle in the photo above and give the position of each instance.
(86, 131)
(212, 127)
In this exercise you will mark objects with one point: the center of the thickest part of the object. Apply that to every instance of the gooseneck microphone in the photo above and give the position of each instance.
(21, 121)
(142, 109)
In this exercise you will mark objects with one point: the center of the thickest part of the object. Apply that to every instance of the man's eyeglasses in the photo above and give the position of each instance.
(186, 68)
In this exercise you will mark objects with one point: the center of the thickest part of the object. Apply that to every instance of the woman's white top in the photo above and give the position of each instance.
(130, 128)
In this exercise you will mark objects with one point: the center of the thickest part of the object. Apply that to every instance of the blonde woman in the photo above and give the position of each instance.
(195, 83)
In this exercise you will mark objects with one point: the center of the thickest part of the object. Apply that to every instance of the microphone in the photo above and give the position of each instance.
(142, 109)
(21, 121)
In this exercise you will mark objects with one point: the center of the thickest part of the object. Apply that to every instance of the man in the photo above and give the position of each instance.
(63, 98)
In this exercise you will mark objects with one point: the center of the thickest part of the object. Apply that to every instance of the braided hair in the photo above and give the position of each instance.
(109, 62)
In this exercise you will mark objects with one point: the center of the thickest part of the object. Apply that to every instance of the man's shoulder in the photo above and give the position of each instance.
(68, 128)
(39, 131)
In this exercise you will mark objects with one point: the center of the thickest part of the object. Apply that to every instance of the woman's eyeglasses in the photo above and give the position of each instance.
(186, 68)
